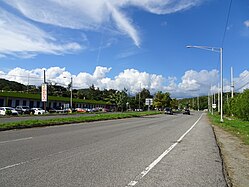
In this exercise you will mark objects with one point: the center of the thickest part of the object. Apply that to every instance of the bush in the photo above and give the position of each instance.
(8, 112)
(239, 106)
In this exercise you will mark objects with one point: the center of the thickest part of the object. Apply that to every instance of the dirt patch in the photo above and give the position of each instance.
(235, 156)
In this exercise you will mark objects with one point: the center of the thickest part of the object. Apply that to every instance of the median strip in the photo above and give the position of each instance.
(69, 120)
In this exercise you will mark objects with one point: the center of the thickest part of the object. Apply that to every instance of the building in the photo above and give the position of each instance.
(13, 99)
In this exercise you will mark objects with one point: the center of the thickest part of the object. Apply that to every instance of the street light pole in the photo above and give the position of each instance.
(221, 82)
(71, 93)
(219, 50)
(71, 98)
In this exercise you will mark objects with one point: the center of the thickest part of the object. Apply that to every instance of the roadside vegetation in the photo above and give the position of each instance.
(81, 119)
(236, 120)
(235, 126)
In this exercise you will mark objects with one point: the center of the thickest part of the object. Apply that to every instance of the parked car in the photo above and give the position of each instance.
(51, 110)
(23, 109)
(60, 109)
(186, 111)
(8, 111)
(37, 111)
(168, 111)
(80, 110)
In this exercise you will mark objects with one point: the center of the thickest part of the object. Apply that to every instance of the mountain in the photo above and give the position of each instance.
(11, 85)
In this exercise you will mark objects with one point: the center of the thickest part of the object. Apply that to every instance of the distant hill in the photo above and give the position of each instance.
(11, 85)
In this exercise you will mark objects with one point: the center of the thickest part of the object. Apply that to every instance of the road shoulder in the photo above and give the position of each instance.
(235, 155)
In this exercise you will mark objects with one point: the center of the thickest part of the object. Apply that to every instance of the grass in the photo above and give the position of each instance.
(80, 119)
(235, 126)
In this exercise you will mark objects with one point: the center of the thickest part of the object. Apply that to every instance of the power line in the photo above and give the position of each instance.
(242, 79)
(242, 86)
(227, 20)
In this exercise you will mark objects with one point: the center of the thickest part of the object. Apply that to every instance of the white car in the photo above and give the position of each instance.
(37, 111)
(4, 111)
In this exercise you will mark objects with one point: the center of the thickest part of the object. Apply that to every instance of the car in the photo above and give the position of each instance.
(37, 111)
(23, 109)
(186, 111)
(8, 111)
(51, 110)
(168, 111)
(80, 110)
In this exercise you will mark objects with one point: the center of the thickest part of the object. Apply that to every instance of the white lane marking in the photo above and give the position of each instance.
(16, 140)
(18, 164)
(155, 162)
(10, 166)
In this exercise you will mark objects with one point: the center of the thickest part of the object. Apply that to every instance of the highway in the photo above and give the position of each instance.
(160, 150)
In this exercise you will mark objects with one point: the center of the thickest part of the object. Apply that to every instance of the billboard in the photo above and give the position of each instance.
(44, 93)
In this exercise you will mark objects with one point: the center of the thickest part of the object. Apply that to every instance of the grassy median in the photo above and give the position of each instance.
(235, 126)
(71, 119)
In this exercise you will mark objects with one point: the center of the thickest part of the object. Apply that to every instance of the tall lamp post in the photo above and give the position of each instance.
(71, 93)
(218, 50)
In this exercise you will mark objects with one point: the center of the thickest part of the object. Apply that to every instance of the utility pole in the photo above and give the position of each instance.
(139, 97)
(71, 97)
(219, 98)
(232, 83)
(221, 86)
(198, 102)
(214, 98)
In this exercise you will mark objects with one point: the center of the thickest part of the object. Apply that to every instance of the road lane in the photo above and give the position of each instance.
(108, 153)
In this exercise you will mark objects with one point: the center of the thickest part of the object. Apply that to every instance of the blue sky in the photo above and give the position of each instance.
(125, 44)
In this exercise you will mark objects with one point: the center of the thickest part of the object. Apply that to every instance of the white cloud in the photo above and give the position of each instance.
(23, 38)
(246, 23)
(192, 84)
(194, 81)
(20, 38)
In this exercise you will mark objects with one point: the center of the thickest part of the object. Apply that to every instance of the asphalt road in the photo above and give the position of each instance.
(162, 150)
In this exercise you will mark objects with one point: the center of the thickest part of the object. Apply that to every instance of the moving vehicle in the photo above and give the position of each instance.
(186, 111)
(168, 111)
(8, 111)
(37, 111)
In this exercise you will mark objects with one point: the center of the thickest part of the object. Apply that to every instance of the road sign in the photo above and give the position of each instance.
(213, 105)
(44, 93)
(148, 101)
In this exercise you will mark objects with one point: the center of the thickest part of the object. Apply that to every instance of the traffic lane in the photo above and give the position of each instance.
(198, 162)
(103, 159)
(28, 144)
(39, 117)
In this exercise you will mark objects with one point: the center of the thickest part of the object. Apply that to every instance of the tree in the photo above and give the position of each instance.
(119, 98)
(162, 100)
(174, 103)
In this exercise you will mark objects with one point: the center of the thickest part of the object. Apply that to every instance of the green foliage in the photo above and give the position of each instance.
(236, 126)
(119, 98)
(162, 100)
(238, 106)
(11, 86)
(8, 112)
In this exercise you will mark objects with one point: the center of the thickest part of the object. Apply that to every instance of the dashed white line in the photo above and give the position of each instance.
(16, 140)
(155, 162)
(10, 166)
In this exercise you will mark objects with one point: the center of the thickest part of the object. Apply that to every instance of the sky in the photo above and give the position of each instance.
(131, 44)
